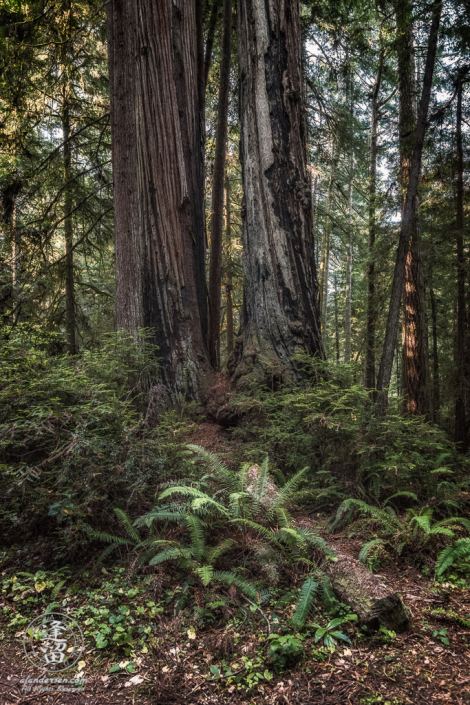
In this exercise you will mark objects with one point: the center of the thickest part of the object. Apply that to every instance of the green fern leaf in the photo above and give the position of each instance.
(305, 602)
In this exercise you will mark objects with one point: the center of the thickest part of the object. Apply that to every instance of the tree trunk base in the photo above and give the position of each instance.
(374, 603)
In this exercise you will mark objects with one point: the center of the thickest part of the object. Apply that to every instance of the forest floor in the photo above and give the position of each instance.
(430, 663)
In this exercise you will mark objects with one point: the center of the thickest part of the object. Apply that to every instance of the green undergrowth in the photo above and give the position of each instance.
(329, 424)
(74, 442)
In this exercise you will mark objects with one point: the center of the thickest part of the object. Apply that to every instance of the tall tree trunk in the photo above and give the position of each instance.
(217, 217)
(435, 357)
(336, 320)
(157, 135)
(228, 269)
(70, 321)
(68, 232)
(408, 217)
(280, 310)
(414, 335)
(460, 432)
(347, 314)
(325, 249)
(216, 4)
(371, 304)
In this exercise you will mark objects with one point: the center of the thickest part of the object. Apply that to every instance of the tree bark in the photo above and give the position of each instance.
(216, 4)
(70, 321)
(407, 221)
(228, 269)
(371, 304)
(435, 356)
(217, 216)
(347, 314)
(157, 136)
(280, 309)
(414, 335)
(325, 250)
(374, 603)
(460, 431)
(336, 320)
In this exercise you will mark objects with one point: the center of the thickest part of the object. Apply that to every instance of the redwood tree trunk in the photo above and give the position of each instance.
(407, 220)
(157, 133)
(228, 273)
(325, 250)
(217, 216)
(280, 309)
(414, 335)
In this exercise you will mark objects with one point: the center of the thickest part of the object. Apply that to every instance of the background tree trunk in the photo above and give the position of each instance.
(460, 432)
(347, 313)
(228, 269)
(371, 304)
(280, 310)
(217, 217)
(325, 249)
(407, 221)
(154, 57)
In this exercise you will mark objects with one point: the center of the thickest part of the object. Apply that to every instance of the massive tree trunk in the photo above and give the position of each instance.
(157, 133)
(348, 295)
(414, 335)
(371, 304)
(460, 432)
(217, 217)
(408, 216)
(435, 357)
(280, 309)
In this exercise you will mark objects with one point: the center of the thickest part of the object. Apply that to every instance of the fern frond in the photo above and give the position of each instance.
(158, 515)
(233, 579)
(460, 550)
(305, 602)
(205, 572)
(171, 554)
(104, 536)
(408, 495)
(201, 502)
(287, 491)
(214, 553)
(371, 547)
(455, 520)
(126, 523)
(391, 523)
(197, 536)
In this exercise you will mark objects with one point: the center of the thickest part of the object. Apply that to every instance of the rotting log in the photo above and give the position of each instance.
(373, 602)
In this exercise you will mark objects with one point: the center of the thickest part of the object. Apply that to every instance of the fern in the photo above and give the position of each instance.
(305, 602)
(232, 578)
(459, 551)
(370, 551)
(127, 524)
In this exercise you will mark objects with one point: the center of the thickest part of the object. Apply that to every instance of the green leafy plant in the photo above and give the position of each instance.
(284, 650)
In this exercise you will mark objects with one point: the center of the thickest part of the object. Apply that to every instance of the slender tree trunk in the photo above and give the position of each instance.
(347, 315)
(371, 304)
(407, 221)
(435, 356)
(158, 164)
(280, 310)
(217, 218)
(325, 249)
(460, 432)
(68, 232)
(336, 321)
(70, 321)
(228, 275)
(215, 9)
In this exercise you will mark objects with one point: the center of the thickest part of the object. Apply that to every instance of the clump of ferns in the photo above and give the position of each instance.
(414, 532)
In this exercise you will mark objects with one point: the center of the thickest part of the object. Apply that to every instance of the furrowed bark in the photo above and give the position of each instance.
(386, 362)
(414, 333)
(157, 131)
(217, 216)
(280, 310)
